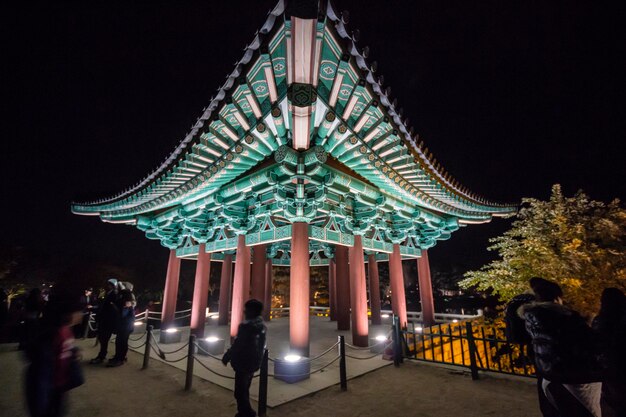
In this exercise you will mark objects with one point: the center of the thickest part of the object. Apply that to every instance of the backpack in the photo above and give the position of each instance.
(515, 330)
(247, 351)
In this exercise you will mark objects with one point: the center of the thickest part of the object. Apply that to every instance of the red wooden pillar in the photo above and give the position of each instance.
(374, 284)
(358, 294)
(332, 290)
(396, 278)
(225, 287)
(267, 303)
(299, 287)
(200, 292)
(257, 275)
(170, 293)
(426, 289)
(241, 284)
(342, 285)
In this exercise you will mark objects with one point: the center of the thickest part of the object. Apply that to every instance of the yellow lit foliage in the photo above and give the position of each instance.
(577, 242)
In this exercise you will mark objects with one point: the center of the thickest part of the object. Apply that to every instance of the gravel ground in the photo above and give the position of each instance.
(414, 389)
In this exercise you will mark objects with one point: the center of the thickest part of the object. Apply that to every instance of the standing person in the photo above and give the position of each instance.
(565, 355)
(126, 323)
(54, 366)
(515, 332)
(33, 307)
(107, 320)
(4, 313)
(610, 323)
(86, 300)
(4, 306)
(246, 353)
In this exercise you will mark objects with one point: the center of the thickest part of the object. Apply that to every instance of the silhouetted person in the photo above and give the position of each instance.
(107, 318)
(4, 312)
(33, 307)
(246, 353)
(126, 322)
(54, 366)
(87, 301)
(610, 323)
(565, 353)
(515, 332)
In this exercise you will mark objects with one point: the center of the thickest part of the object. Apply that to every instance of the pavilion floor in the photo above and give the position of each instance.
(324, 334)
(414, 389)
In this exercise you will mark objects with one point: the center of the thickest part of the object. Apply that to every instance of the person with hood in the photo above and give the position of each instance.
(54, 361)
(515, 332)
(246, 353)
(610, 323)
(107, 320)
(126, 322)
(565, 353)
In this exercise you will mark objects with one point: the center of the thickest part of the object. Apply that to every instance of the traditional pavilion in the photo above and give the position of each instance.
(301, 159)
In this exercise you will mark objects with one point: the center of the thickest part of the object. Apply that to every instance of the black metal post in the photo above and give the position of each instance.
(262, 411)
(146, 352)
(472, 350)
(342, 364)
(190, 360)
(397, 344)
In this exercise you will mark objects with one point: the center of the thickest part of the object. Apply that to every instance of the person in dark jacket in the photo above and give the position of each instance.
(107, 320)
(516, 332)
(33, 308)
(53, 359)
(126, 322)
(246, 353)
(610, 323)
(565, 353)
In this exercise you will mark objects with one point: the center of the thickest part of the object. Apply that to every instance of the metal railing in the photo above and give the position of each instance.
(319, 311)
(467, 344)
(412, 316)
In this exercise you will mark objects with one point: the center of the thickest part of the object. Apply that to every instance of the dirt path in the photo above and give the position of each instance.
(412, 390)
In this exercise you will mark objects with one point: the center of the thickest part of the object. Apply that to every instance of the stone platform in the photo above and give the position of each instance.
(323, 336)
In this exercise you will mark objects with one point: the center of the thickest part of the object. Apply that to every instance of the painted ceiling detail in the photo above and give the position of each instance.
(301, 131)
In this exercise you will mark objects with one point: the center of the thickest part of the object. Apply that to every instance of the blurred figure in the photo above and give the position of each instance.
(33, 307)
(107, 320)
(246, 353)
(4, 306)
(126, 322)
(610, 323)
(4, 314)
(87, 301)
(54, 361)
(565, 352)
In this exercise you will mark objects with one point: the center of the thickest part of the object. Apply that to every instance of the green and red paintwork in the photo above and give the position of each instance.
(302, 153)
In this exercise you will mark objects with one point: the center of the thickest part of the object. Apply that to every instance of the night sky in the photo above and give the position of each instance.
(511, 97)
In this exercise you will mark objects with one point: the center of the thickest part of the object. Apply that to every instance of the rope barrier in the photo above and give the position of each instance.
(327, 365)
(139, 338)
(212, 371)
(366, 347)
(170, 352)
(310, 373)
(207, 353)
(162, 355)
(315, 358)
(362, 359)
(137, 347)
(324, 353)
